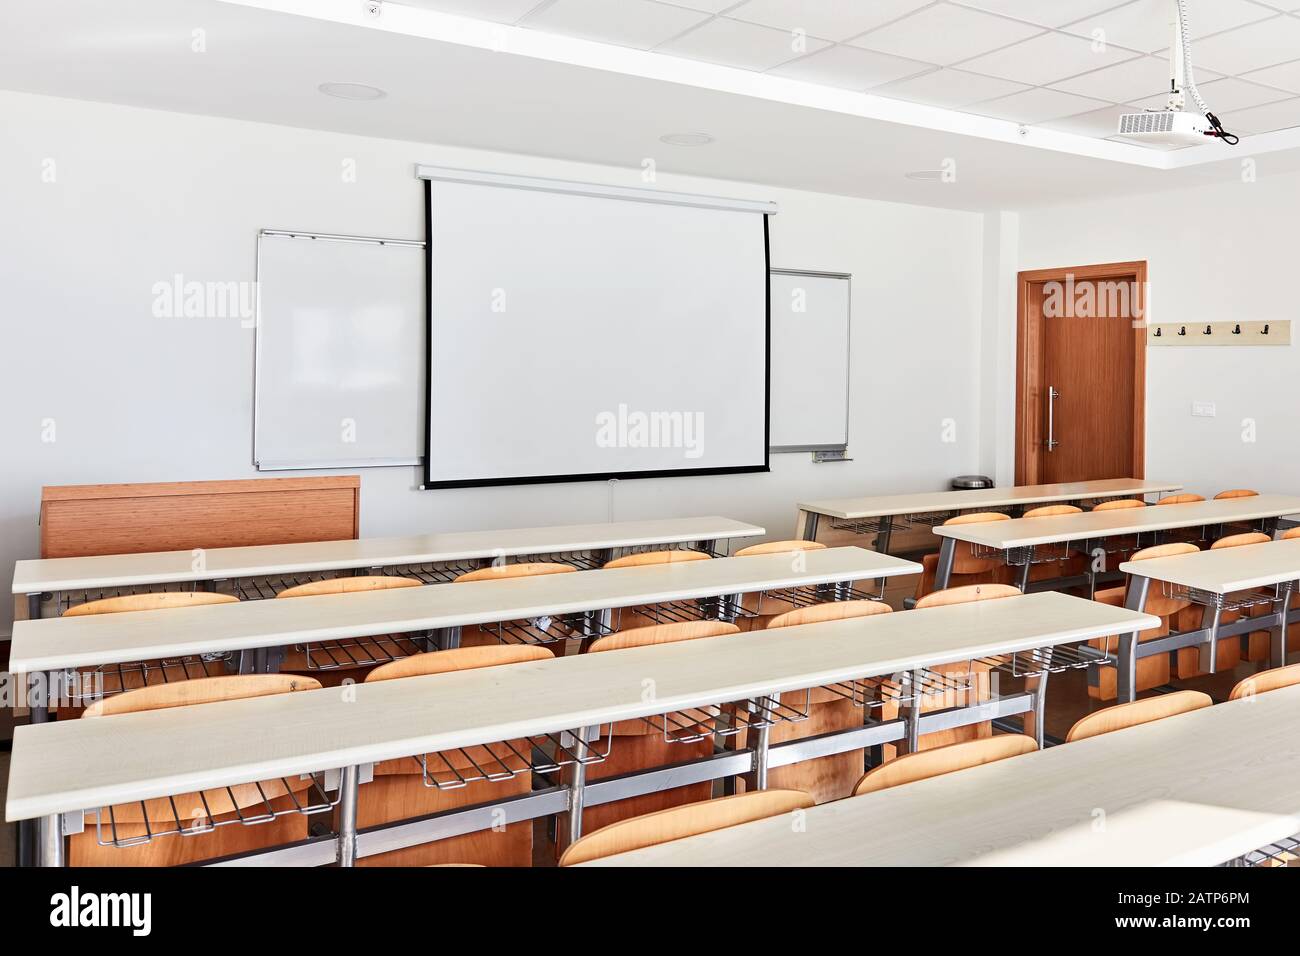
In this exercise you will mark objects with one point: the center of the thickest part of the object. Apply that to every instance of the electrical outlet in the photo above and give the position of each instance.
(1204, 410)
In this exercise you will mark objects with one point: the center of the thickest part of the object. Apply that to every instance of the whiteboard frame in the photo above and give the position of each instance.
(848, 363)
(310, 465)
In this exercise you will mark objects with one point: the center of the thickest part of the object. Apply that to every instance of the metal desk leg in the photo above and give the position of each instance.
(806, 525)
(577, 785)
(1210, 652)
(912, 739)
(886, 532)
(51, 840)
(1277, 641)
(758, 772)
(943, 573)
(1036, 719)
(1024, 571)
(348, 816)
(1126, 678)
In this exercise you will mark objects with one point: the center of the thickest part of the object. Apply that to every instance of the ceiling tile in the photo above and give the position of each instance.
(1223, 97)
(1251, 47)
(636, 23)
(1047, 13)
(1265, 119)
(944, 34)
(1285, 76)
(1035, 106)
(501, 11)
(1146, 24)
(830, 19)
(704, 6)
(1101, 123)
(743, 45)
(949, 88)
(1047, 59)
(850, 68)
(1123, 82)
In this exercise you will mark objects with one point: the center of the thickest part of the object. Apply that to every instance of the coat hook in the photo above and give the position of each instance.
(1158, 331)
(1182, 330)
(1209, 330)
(1265, 332)
(1236, 329)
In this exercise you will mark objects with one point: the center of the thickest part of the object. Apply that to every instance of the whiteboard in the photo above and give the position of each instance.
(340, 352)
(581, 332)
(810, 360)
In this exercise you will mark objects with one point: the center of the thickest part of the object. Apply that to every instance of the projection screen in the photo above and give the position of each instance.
(581, 332)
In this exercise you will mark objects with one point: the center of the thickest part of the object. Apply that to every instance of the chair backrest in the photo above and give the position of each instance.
(1158, 603)
(1265, 681)
(499, 572)
(1289, 534)
(684, 821)
(202, 690)
(671, 556)
(940, 760)
(1118, 504)
(967, 594)
(458, 659)
(780, 547)
(374, 582)
(966, 560)
(1179, 500)
(149, 602)
(1238, 540)
(1137, 712)
(1052, 511)
(661, 634)
(829, 611)
(1236, 493)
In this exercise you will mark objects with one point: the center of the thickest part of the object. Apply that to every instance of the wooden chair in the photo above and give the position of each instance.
(1179, 500)
(642, 744)
(941, 760)
(1289, 534)
(475, 635)
(1151, 671)
(1119, 504)
(1236, 493)
(1265, 681)
(977, 671)
(1069, 564)
(1230, 651)
(1121, 716)
(780, 547)
(968, 566)
(405, 787)
(760, 609)
(643, 616)
(1121, 548)
(223, 806)
(829, 709)
(652, 829)
(334, 662)
(113, 679)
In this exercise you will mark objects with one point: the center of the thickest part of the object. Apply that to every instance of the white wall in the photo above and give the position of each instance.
(138, 196)
(1222, 252)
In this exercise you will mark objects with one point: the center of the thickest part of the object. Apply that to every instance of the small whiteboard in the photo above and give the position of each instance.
(340, 352)
(810, 361)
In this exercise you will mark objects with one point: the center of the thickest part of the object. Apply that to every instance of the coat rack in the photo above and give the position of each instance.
(1225, 334)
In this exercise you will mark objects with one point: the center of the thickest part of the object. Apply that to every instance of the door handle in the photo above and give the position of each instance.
(1052, 396)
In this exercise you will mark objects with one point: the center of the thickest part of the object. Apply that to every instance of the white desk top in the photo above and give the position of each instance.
(929, 502)
(1024, 532)
(62, 642)
(1225, 570)
(1194, 790)
(161, 567)
(83, 764)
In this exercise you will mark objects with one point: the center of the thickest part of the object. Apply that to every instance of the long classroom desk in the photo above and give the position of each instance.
(55, 644)
(1227, 579)
(1198, 789)
(54, 576)
(60, 769)
(877, 514)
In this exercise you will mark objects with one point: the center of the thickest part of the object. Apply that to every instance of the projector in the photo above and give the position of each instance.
(1165, 127)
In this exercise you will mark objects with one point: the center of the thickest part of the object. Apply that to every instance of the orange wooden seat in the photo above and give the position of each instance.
(941, 760)
(1121, 716)
(408, 787)
(968, 565)
(761, 609)
(1265, 681)
(475, 635)
(333, 662)
(691, 819)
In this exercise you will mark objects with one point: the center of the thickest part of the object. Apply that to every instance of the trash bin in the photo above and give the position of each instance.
(971, 482)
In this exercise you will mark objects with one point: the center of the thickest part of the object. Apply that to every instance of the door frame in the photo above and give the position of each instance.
(1030, 335)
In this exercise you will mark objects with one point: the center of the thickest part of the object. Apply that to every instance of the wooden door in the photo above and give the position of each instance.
(1081, 388)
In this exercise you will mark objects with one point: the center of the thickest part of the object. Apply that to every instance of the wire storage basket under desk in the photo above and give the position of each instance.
(1283, 853)
(82, 687)
(1057, 659)
(720, 721)
(204, 817)
(506, 760)
(1232, 601)
(905, 688)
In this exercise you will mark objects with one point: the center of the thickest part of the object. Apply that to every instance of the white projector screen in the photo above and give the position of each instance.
(585, 332)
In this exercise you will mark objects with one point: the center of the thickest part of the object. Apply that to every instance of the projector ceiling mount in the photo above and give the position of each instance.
(1176, 125)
